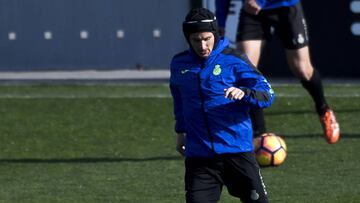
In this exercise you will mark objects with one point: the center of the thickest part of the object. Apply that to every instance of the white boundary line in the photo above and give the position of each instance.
(164, 95)
(84, 75)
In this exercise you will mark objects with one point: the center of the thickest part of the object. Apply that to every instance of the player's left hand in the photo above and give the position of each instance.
(234, 93)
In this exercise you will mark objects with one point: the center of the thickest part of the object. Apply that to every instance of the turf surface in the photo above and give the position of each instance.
(115, 143)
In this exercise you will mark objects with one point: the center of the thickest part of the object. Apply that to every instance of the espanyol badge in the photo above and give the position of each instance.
(217, 70)
(300, 39)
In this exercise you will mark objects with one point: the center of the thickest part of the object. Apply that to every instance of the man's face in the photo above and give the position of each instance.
(202, 43)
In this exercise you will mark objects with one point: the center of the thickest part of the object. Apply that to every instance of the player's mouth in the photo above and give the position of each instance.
(204, 52)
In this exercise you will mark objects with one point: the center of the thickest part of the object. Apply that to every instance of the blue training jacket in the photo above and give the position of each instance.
(214, 124)
(222, 7)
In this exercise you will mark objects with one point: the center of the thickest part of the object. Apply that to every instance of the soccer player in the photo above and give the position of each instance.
(213, 87)
(256, 20)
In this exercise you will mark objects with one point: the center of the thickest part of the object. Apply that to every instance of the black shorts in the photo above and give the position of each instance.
(287, 22)
(240, 173)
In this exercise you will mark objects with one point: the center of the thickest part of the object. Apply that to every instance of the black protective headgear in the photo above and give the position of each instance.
(200, 20)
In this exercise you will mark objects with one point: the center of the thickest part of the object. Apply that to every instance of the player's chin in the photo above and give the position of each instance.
(204, 55)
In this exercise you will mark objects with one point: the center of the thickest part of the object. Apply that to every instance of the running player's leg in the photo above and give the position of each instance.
(250, 39)
(293, 33)
(300, 65)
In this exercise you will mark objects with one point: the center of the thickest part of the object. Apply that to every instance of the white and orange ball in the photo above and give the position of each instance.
(270, 149)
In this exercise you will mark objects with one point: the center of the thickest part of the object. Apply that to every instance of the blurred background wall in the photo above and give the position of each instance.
(112, 34)
(89, 34)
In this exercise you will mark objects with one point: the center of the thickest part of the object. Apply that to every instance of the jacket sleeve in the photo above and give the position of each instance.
(222, 10)
(177, 105)
(258, 91)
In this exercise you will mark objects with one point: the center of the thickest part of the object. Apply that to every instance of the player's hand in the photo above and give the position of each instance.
(180, 143)
(252, 7)
(234, 93)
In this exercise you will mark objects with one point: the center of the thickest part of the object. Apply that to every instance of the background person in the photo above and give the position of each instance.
(256, 20)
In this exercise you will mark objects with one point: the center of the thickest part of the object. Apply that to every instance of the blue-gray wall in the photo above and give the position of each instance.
(121, 34)
(124, 34)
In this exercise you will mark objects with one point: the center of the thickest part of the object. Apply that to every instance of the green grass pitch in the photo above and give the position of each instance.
(115, 143)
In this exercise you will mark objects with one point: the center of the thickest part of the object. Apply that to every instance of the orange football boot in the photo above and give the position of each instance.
(330, 126)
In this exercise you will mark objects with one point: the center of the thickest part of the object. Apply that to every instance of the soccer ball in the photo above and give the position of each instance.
(270, 149)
